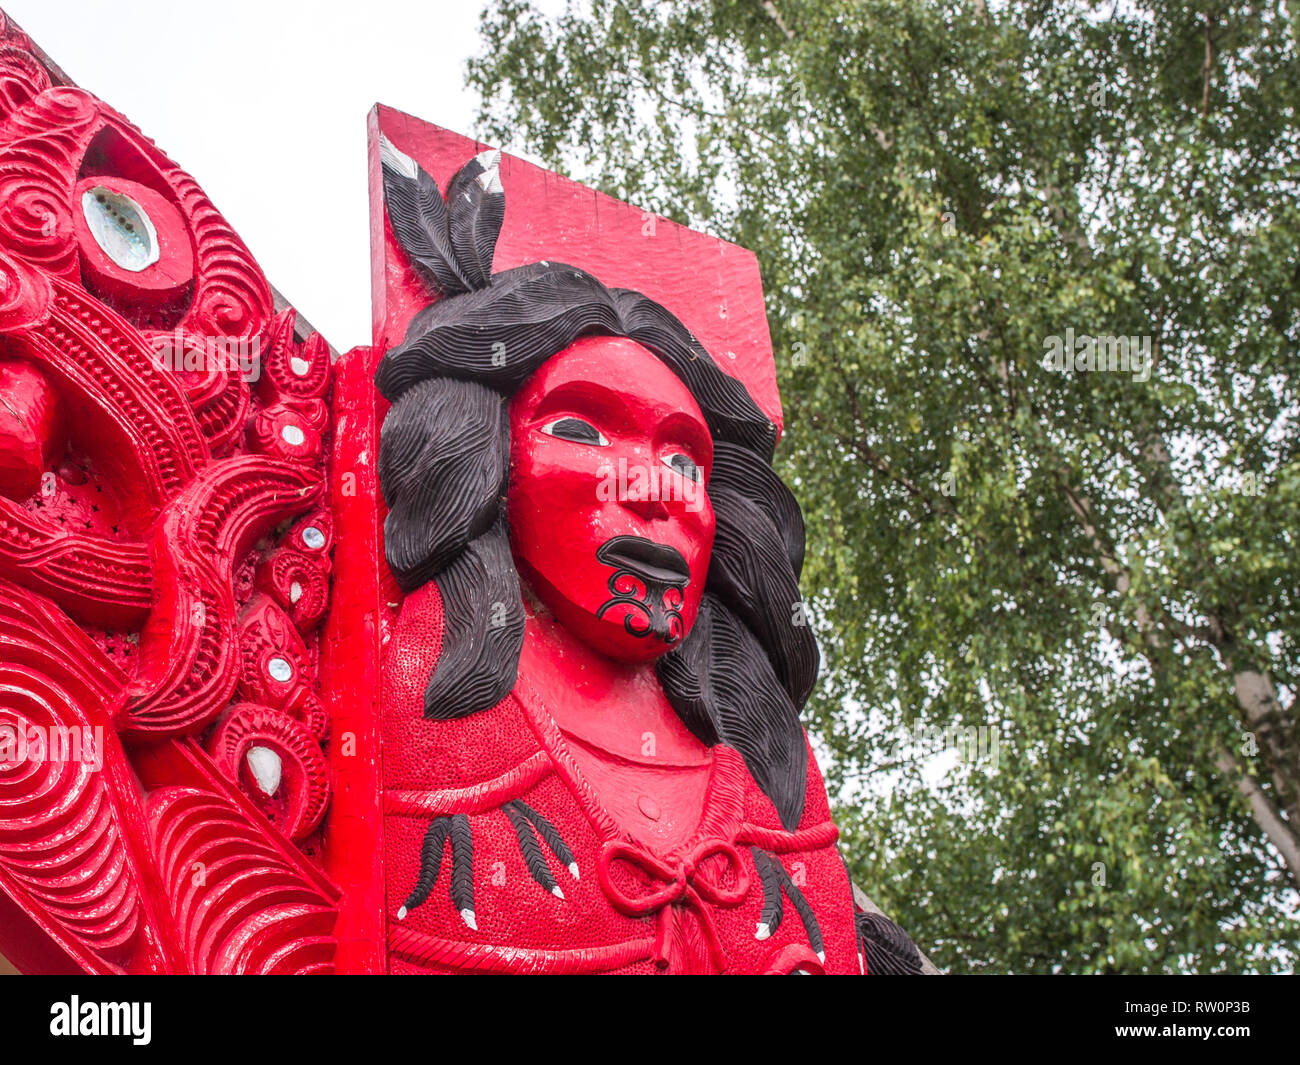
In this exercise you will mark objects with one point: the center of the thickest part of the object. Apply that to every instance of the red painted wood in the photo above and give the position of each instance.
(660, 875)
(351, 649)
(164, 436)
(31, 428)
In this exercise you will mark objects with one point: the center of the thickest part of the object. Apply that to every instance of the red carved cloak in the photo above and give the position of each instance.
(631, 909)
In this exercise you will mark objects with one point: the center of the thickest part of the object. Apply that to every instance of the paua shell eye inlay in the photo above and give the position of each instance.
(121, 227)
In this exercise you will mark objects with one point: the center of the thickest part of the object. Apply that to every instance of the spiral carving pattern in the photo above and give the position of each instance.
(61, 841)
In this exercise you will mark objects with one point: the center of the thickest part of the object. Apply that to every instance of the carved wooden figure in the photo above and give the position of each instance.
(593, 760)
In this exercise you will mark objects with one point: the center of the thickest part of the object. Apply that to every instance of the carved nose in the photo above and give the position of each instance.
(647, 509)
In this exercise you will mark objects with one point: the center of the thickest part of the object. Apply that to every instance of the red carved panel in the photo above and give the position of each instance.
(165, 553)
(240, 907)
(531, 826)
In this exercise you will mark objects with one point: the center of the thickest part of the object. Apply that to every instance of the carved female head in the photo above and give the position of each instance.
(608, 508)
(544, 426)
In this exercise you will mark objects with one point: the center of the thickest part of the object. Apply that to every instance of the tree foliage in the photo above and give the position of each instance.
(1096, 568)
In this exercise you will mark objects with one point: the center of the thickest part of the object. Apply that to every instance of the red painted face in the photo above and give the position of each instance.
(610, 521)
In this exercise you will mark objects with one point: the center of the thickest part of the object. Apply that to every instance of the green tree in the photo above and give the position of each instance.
(1099, 564)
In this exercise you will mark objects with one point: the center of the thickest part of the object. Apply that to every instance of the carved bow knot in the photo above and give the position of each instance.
(681, 881)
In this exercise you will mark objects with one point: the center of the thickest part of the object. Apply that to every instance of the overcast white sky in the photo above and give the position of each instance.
(265, 103)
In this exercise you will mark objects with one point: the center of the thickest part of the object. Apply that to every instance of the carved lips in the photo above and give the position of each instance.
(645, 558)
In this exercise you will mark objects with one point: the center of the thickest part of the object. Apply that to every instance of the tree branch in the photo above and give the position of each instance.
(1264, 813)
(1208, 69)
(775, 16)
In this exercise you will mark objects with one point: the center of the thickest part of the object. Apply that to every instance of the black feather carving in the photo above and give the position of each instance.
(532, 850)
(769, 920)
(477, 205)
(430, 862)
(462, 868)
(810, 925)
(551, 835)
(419, 218)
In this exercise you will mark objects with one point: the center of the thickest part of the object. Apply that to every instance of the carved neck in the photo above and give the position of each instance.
(616, 707)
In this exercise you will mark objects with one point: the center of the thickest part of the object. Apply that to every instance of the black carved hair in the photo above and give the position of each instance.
(746, 668)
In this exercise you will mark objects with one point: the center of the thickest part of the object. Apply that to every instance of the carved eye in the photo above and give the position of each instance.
(575, 429)
(682, 464)
(121, 227)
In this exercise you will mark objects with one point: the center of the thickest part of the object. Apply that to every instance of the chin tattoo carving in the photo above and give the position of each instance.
(480, 650)
(650, 580)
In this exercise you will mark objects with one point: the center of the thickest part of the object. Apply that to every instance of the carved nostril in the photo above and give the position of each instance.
(649, 509)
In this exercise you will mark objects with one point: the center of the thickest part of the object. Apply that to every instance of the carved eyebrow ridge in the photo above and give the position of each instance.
(577, 397)
(613, 405)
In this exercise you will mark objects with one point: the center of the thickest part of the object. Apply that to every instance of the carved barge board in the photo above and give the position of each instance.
(165, 542)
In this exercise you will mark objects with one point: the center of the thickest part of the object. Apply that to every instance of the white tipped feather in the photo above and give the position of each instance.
(490, 179)
(394, 159)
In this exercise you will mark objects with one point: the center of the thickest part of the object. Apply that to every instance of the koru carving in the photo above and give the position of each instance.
(164, 562)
